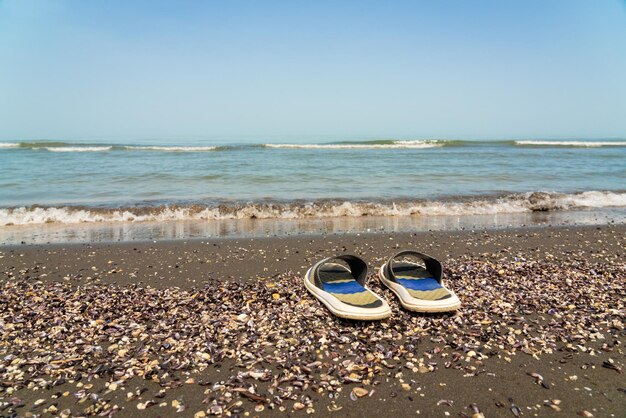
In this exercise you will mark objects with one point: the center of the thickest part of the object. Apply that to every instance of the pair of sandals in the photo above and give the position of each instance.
(415, 278)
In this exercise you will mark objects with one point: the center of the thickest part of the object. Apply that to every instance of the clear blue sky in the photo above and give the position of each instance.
(446, 69)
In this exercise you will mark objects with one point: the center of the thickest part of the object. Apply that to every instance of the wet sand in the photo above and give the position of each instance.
(225, 326)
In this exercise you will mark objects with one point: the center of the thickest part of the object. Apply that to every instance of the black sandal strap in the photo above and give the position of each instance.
(433, 266)
(358, 268)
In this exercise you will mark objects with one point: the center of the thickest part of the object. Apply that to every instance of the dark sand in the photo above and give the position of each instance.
(546, 301)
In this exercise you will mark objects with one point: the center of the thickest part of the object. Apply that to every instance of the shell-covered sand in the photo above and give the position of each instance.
(226, 327)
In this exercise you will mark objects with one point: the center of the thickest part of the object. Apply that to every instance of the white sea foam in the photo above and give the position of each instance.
(391, 145)
(77, 149)
(514, 203)
(173, 149)
(586, 144)
(8, 145)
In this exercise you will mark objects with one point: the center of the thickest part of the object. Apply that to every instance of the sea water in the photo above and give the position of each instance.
(73, 182)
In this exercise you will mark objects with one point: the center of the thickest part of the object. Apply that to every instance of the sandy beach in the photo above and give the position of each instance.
(225, 326)
(172, 172)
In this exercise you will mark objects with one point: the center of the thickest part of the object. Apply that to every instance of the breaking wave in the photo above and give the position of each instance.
(56, 146)
(77, 149)
(512, 203)
(85, 147)
(585, 144)
(390, 144)
(171, 149)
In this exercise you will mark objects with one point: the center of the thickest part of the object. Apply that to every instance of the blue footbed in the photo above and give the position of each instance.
(344, 287)
(428, 283)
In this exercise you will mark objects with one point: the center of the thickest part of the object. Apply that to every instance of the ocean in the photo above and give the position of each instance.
(125, 182)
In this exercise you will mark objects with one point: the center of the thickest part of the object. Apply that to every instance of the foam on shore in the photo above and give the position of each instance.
(512, 203)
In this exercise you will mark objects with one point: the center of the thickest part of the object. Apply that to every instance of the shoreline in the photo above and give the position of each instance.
(147, 231)
(192, 262)
(218, 326)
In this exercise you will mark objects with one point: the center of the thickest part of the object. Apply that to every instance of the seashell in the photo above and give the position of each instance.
(216, 410)
(611, 365)
(353, 377)
(359, 392)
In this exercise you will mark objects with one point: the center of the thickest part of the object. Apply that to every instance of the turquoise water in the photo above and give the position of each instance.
(152, 180)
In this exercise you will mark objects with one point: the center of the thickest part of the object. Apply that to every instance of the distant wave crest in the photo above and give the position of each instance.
(56, 146)
(585, 144)
(78, 149)
(364, 145)
(512, 203)
(86, 147)
(171, 149)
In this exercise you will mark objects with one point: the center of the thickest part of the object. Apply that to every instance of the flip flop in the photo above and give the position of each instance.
(418, 282)
(339, 283)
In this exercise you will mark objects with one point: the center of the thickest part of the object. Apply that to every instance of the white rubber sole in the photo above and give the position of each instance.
(343, 310)
(410, 303)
